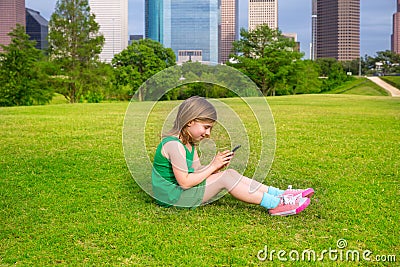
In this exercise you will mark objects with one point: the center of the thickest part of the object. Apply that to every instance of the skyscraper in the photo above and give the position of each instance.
(37, 28)
(338, 29)
(263, 12)
(396, 30)
(12, 12)
(228, 28)
(112, 16)
(189, 27)
(314, 18)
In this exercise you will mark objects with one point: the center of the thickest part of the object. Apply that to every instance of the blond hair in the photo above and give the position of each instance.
(195, 108)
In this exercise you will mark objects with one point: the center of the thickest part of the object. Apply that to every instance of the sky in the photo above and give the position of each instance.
(294, 16)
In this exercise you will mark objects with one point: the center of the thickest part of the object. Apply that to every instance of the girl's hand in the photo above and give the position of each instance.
(222, 159)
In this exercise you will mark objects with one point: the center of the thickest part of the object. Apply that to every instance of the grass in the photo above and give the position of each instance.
(67, 197)
(393, 80)
(360, 86)
(58, 99)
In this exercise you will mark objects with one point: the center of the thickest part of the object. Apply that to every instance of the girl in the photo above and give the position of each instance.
(178, 178)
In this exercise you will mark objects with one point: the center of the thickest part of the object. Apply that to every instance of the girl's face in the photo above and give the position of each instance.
(199, 129)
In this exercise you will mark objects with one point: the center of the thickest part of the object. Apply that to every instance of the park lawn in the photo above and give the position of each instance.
(393, 80)
(359, 86)
(68, 198)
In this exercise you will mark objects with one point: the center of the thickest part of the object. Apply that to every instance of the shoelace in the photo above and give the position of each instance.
(294, 190)
(288, 200)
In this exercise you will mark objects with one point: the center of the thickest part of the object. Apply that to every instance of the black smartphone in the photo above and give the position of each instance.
(236, 148)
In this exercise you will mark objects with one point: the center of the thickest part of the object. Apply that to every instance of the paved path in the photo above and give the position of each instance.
(393, 91)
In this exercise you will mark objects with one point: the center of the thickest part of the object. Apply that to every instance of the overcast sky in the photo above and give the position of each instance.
(294, 16)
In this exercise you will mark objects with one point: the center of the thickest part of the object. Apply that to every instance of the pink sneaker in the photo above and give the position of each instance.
(299, 192)
(290, 205)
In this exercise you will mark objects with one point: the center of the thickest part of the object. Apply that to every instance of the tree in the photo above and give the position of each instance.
(265, 56)
(138, 62)
(390, 61)
(354, 66)
(304, 78)
(21, 80)
(333, 70)
(74, 46)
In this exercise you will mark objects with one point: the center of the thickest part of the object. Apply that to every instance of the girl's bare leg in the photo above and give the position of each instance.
(255, 185)
(236, 184)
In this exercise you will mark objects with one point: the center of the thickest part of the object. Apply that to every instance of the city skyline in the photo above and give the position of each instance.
(112, 17)
(176, 25)
(338, 29)
(263, 12)
(395, 39)
(293, 16)
(12, 12)
(229, 28)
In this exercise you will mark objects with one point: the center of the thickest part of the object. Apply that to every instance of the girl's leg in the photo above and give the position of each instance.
(255, 185)
(236, 184)
(240, 188)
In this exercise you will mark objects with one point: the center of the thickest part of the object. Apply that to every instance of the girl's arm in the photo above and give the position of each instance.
(176, 153)
(196, 165)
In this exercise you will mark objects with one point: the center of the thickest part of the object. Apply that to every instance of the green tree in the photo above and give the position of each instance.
(74, 46)
(138, 62)
(304, 78)
(333, 71)
(21, 80)
(265, 56)
(390, 61)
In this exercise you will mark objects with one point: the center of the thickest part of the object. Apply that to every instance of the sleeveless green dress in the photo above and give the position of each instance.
(166, 190)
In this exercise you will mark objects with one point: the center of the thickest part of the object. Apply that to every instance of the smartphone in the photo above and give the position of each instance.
(236, 148)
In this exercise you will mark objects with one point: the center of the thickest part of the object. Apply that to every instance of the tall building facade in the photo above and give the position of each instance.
(396, 30)
(338, 29)
(263, 12)
(189, 27)
(228, 28)
(12, 12)
(112, 16)
(37, 28)
(314, 18)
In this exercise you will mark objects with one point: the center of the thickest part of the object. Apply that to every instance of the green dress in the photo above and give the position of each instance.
(166, 189)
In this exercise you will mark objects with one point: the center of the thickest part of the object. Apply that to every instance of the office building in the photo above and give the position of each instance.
(396, 30)
(112, 16)
(293, 37)
(263, 12)
(37, 28)
(228, 28)
(12, 12)
(314, 18)
(189, 28)
(134, 37)
(338, 29)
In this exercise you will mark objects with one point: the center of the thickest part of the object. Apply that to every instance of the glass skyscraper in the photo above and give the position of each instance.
(37, 28)
(189, 27)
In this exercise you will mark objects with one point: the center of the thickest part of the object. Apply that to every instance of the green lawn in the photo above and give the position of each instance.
(360, 86)
(68, 198)
(393, 80)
